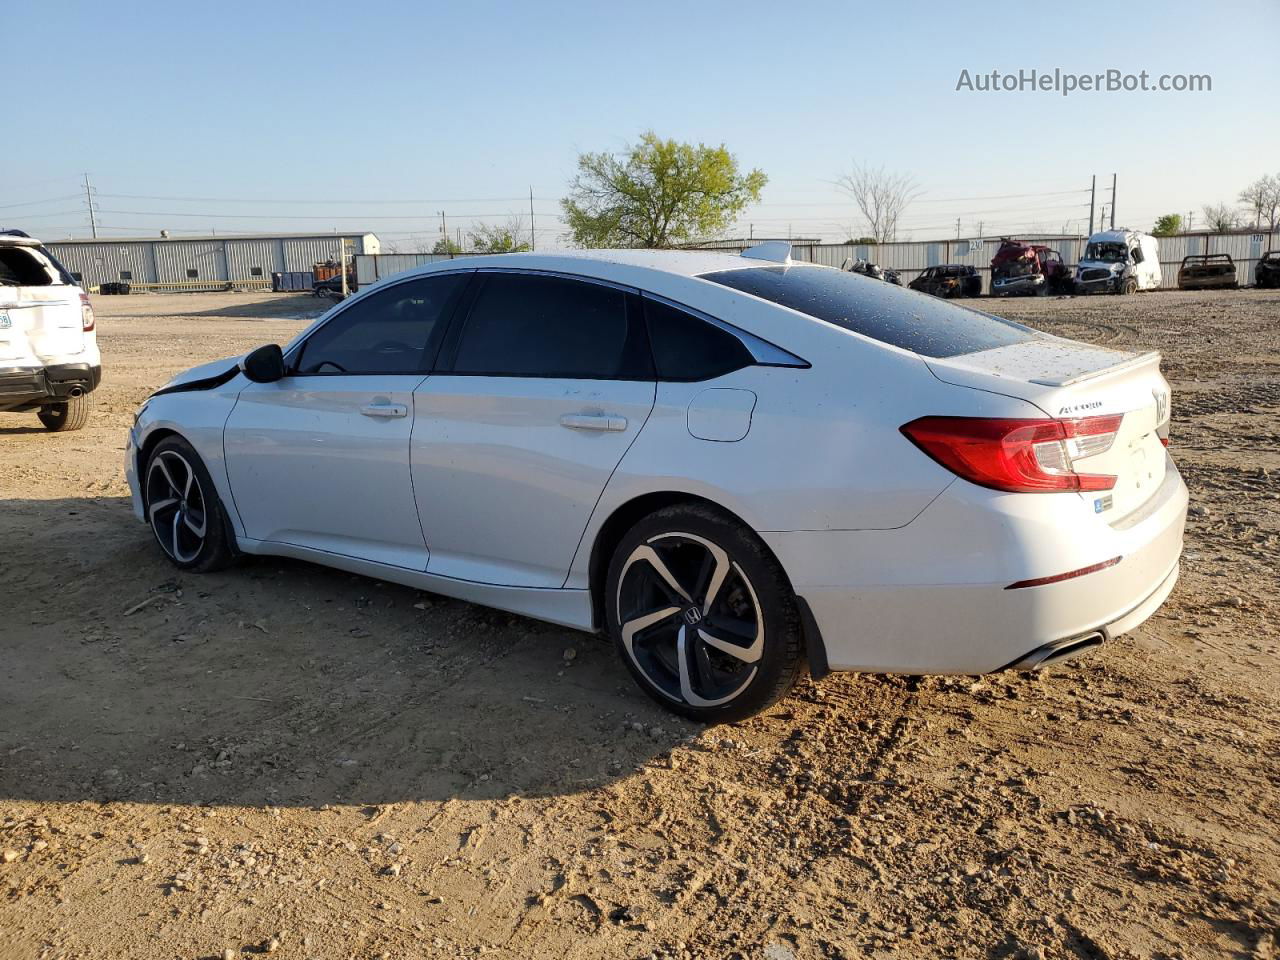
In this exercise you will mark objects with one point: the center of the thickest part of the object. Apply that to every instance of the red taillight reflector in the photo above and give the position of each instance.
(1015, 455)
(1058, 577)
(86, 313)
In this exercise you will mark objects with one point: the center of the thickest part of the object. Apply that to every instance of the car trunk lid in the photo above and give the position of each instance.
(1068, 380)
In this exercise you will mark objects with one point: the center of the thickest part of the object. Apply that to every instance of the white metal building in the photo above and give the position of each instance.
(213, 262)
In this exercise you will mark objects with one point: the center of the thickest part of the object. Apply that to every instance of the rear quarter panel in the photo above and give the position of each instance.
(824, 450)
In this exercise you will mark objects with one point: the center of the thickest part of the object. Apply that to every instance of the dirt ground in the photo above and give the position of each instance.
(282, 758)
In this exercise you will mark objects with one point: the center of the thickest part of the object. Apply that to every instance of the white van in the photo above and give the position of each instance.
(49, 360)
(1119, 261)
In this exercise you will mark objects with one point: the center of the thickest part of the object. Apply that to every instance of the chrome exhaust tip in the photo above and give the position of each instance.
(1058, 651)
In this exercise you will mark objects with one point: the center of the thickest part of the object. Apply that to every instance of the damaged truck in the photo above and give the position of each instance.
(1119, 261)
(1028, 269)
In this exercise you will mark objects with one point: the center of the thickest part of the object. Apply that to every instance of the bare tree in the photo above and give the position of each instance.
(1219, 217)
(881, 196)
(1261, 198)
(1271, 202)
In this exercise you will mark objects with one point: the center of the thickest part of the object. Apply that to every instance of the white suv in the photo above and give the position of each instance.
(49, 360)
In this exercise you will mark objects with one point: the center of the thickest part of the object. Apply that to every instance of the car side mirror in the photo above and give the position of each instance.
(264, 365)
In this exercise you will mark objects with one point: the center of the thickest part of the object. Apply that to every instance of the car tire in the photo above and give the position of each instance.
(703, 615)
(1129, 287)
(183, 509)
(71, 414)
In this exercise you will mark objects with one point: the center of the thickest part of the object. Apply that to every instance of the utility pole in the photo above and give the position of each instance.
(957, 228)
(1113, 201)
(1093, 195)
(88, 197)
(342, 264)
(981, 232)
(533, 236)
(444, 233)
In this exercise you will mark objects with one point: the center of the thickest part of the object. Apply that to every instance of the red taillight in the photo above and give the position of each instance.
(1017, 456)
(86, 313)
(1059, 577)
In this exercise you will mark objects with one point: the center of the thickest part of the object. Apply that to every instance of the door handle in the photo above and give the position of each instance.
(584, 421)
(385, 410)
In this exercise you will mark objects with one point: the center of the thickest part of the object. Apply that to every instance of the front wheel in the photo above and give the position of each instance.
(703, 615)
(1129, 288)
(183, 509)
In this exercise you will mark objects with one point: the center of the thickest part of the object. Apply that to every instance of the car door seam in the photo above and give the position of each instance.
(600, 496)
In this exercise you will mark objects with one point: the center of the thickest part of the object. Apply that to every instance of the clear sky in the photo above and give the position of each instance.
(257, 116)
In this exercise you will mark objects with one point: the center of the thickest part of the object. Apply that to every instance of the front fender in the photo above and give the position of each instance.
(199, 417)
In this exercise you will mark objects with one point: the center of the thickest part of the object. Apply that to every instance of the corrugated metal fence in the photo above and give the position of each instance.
(205, 264)
(911, 259)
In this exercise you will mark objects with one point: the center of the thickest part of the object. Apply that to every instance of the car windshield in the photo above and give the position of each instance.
(903, 318)
(1106, 252)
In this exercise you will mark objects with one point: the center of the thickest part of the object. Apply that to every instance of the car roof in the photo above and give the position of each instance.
(605, 264)
(18, 240)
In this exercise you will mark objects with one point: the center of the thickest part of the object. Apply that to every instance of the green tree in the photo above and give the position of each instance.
(1167, 225)
(499, 238)
(445, 245)
(657, 193)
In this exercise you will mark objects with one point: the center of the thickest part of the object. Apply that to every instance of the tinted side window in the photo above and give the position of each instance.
(392, 331)
(902, 318)
(687, 348)
(533, 326)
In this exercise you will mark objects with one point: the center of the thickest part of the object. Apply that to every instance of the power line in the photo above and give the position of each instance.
(311, 216)
(313, 202)
(927, 199)
(32, 203)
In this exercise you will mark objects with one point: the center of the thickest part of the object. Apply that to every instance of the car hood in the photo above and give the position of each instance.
(204, 371)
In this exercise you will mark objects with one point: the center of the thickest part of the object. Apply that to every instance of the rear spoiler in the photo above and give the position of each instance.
(1141, 360)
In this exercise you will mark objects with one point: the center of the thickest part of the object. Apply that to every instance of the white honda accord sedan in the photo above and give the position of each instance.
(735, 466)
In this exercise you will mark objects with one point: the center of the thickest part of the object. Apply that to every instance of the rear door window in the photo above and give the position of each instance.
(526, 325)
(901, 318)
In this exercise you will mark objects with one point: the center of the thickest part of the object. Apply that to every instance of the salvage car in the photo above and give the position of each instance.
(733, 466)
(949, 280)
(331, 288)
(1207, 271)
(1267, 271)
(49, 360)
(1119, 261)
(1028, 269)
(874, 270)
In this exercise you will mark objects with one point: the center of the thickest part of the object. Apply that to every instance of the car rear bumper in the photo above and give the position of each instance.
(1207, 283)
(28, 386)
(937, 595)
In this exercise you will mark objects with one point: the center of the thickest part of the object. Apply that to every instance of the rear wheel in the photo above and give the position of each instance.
(183, 508)
(70, 414)
(703, 615)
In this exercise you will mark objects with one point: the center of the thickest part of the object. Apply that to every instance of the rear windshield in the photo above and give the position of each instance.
(903, 318)
(25, 267)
